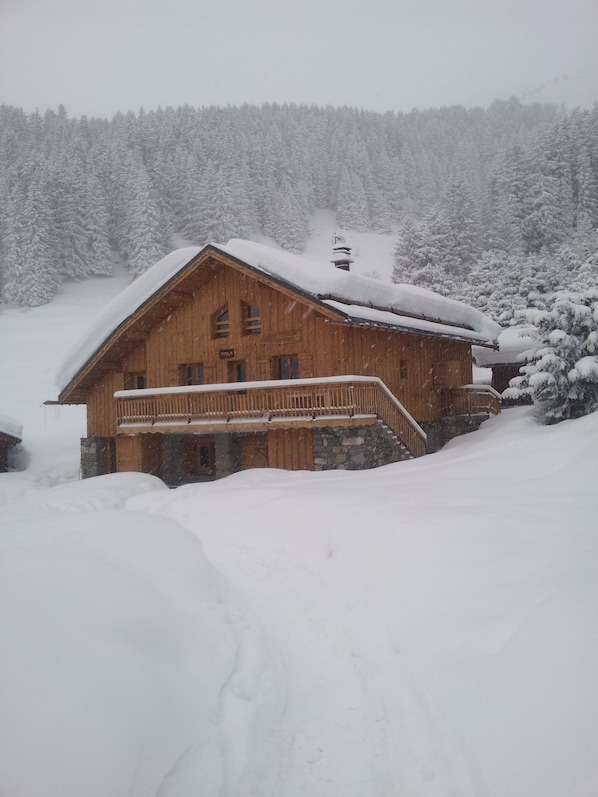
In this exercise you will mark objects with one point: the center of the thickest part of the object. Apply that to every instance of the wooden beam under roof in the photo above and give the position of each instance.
(109, 365)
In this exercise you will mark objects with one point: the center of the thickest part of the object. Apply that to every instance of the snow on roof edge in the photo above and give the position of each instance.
(512, 343)
(10, 427)
(120, 309)
(386, 318)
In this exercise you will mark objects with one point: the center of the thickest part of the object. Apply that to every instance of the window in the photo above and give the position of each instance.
(191, 374)
(135, 380)
(403, 369)
(199, 456)
(236, 371)
(252, 322)
(221, 323)
(286, 367)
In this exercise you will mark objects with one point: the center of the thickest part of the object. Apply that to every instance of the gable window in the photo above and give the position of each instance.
(252, 321)
(191, 374)
(286, 367)
(135, 380)
(221, 323)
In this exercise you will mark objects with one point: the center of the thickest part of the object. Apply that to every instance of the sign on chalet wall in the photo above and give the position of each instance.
(281, 338)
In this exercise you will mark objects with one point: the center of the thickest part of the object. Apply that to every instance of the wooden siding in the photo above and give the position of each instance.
(254, 451)
(415, 367)
(128, 453)
(291, 451)
(141, 452)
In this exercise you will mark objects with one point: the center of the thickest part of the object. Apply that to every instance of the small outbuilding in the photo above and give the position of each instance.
(505, 361)
(11, 435)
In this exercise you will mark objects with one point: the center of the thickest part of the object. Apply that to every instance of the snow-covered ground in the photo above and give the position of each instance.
(427, 629)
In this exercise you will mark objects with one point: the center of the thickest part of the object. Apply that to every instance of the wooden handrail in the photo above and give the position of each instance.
(311, 399)
(471, 400)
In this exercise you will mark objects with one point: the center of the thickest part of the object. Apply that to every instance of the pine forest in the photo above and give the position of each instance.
(496, 206)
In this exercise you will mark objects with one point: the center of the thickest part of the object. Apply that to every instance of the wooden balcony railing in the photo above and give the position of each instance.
(471, 400)
(270, 402)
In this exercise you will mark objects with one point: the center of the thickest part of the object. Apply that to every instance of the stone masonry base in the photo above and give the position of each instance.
(356, 448)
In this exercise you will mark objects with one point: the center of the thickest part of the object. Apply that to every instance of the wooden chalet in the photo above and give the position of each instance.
(238, 356)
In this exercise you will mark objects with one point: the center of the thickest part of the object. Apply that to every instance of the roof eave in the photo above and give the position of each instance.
(365, 322)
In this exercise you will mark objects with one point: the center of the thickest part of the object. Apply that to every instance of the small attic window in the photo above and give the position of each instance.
(221, 323)
(252, 320)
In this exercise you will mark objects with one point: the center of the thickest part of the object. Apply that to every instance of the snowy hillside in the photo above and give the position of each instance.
(424, 629)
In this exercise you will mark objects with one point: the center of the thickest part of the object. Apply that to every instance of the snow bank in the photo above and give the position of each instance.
(427, 628)
(436, 619)
(124, 654)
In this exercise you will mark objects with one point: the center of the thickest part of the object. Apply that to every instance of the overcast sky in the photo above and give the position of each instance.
(97, 57)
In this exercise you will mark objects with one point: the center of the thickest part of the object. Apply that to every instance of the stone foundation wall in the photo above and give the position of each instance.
(356, 448)
(98, 456)
(440, 432)
(172, 458)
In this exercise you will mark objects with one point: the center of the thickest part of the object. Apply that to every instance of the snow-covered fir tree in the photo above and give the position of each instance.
(561, 370)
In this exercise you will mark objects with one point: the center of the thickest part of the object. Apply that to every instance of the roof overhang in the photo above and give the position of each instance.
(8, 440)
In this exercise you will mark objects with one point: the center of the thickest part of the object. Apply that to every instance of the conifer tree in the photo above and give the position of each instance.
(561, 372)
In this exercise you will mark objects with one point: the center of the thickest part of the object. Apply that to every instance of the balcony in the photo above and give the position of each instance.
(253, 406)
(471, 400)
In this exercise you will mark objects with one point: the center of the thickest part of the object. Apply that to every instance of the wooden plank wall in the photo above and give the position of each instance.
(128, 453)
(410, 364)
(291, 451)
(141, 452)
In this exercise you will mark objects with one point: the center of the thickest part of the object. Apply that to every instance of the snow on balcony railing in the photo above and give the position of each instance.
(268, 401)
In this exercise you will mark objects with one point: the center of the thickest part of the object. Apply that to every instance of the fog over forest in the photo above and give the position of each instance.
(497, 206)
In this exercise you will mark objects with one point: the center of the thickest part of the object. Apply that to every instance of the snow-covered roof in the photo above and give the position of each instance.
(122, 307)
(359, 299)
(325, 282)
(10, 427)
(512, 342)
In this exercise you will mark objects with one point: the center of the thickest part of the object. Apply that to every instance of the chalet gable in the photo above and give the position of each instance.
(337, 295)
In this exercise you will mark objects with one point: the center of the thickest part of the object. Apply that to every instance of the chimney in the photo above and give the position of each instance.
(341, 253)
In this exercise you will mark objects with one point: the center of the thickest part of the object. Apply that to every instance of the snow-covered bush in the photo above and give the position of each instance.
(561, 371)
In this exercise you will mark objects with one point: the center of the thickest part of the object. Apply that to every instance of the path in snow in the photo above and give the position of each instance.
(354, 721)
